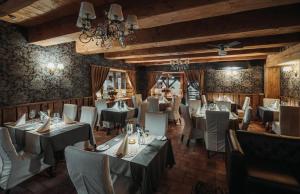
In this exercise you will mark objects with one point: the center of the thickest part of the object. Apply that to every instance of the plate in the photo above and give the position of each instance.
(102, 147)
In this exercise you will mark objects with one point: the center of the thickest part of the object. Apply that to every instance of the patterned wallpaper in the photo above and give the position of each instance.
(25, 77)
(289, 84)
(249, 80)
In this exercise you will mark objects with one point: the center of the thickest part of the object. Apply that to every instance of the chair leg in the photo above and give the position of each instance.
(182, 136)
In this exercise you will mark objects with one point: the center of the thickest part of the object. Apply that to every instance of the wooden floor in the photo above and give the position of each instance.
(192, 165)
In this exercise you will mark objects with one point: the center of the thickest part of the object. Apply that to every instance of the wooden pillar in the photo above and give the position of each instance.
(272, 82)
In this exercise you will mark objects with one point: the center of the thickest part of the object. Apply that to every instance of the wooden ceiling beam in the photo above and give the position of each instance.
(163, 12)
(264, 51)
(246, 43)
(10, 7)
(209, 60)
(271, 21)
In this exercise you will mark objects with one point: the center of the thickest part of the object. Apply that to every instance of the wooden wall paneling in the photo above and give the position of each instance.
(67, 101)
(51, 107)
(9, 114)
(44, 106)
(73, 101)
(58, 107)
(22, 110)
(272, 82)
(85, 101)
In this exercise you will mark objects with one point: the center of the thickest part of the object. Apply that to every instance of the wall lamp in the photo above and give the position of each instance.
(54, 67)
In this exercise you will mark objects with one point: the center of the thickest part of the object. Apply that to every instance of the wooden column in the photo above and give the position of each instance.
(272, 82)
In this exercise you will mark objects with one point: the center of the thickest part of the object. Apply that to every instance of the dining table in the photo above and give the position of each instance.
(143, 163)
(25, 137)
(267, 114)
(199, 119)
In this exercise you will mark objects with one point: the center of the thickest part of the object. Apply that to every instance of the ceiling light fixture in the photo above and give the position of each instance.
(114, 28)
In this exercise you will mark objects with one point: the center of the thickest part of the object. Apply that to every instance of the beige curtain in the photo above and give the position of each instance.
(132, 79)
(99, 75)
(152, 78)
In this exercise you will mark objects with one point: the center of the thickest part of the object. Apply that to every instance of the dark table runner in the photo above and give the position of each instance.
(57, 140)
(147, 167)
(117, 117)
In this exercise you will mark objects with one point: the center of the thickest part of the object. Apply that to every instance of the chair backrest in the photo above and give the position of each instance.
(194, 105)
(185, 113)
(137, 100)
(88, 115)
(246, 103)
(141, 114)
(100, 105)
(247, 118)
(290, 120)
(156, 123)
(217, 123)
(153, 104)
(89, 171)
(268, 102)
(70, 110)
(203, 98)
(226, 104)
(7, 155)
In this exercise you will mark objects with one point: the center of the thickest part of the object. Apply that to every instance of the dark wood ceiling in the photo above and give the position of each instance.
(170, 29)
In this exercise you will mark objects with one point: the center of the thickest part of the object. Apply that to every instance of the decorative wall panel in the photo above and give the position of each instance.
(289, 84)
(24, 74)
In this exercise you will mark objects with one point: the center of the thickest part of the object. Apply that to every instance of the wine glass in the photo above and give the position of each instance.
(32, 114)
(56, 117)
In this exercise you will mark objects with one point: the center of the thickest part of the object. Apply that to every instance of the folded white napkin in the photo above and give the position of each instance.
(123, 149)
(45, 127)
(67, 120)
(21, 120)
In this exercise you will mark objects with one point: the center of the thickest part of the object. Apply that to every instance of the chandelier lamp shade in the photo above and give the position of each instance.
(114, 27)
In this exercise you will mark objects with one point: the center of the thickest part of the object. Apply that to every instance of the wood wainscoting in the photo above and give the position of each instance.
(12, 113)
(290, 101)
(255, 99)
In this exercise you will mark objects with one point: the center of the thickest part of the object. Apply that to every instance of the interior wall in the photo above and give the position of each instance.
(289, 83)
(24, 74)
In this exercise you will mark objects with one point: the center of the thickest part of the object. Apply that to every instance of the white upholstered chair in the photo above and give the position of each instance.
(269, 102)
(137, 100)
(203, 98)
(289, 121)
(246, 118)
(225, 104)
(141, 114)
(246, 104)
(16, 168)
(188, 131)
(156, 123)
(153, 104)
(194, 105)
(89, 116)
(217, 123)
(70, 110)
(100, 105)
(173, 111)
(90, 173)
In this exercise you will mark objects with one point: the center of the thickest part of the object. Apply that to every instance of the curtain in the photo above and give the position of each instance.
(195, 79)
(152, 78)
(132, 79)
(99, 75)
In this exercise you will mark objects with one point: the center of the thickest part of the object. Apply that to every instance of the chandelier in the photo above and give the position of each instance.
(179, 64)
(114, 27)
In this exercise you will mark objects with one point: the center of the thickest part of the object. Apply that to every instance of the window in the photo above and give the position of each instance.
(168, 84)
(116, 81)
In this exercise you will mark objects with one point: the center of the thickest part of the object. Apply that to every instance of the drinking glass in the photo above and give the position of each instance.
(56, 117)
(32, 114)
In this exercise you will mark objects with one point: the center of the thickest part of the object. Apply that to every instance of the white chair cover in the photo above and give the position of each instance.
(141, 114)
(100, 105)
(15, 168)
(246, 103)
(173, 113)
(268, 102)
(194, 105)
(226, 104)
(203, 98)
(70, 110)
(189, 131)
(217, 122)
(247, 118)
(153, 104)
(156, 123)
(137, 100)
(90, 173)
